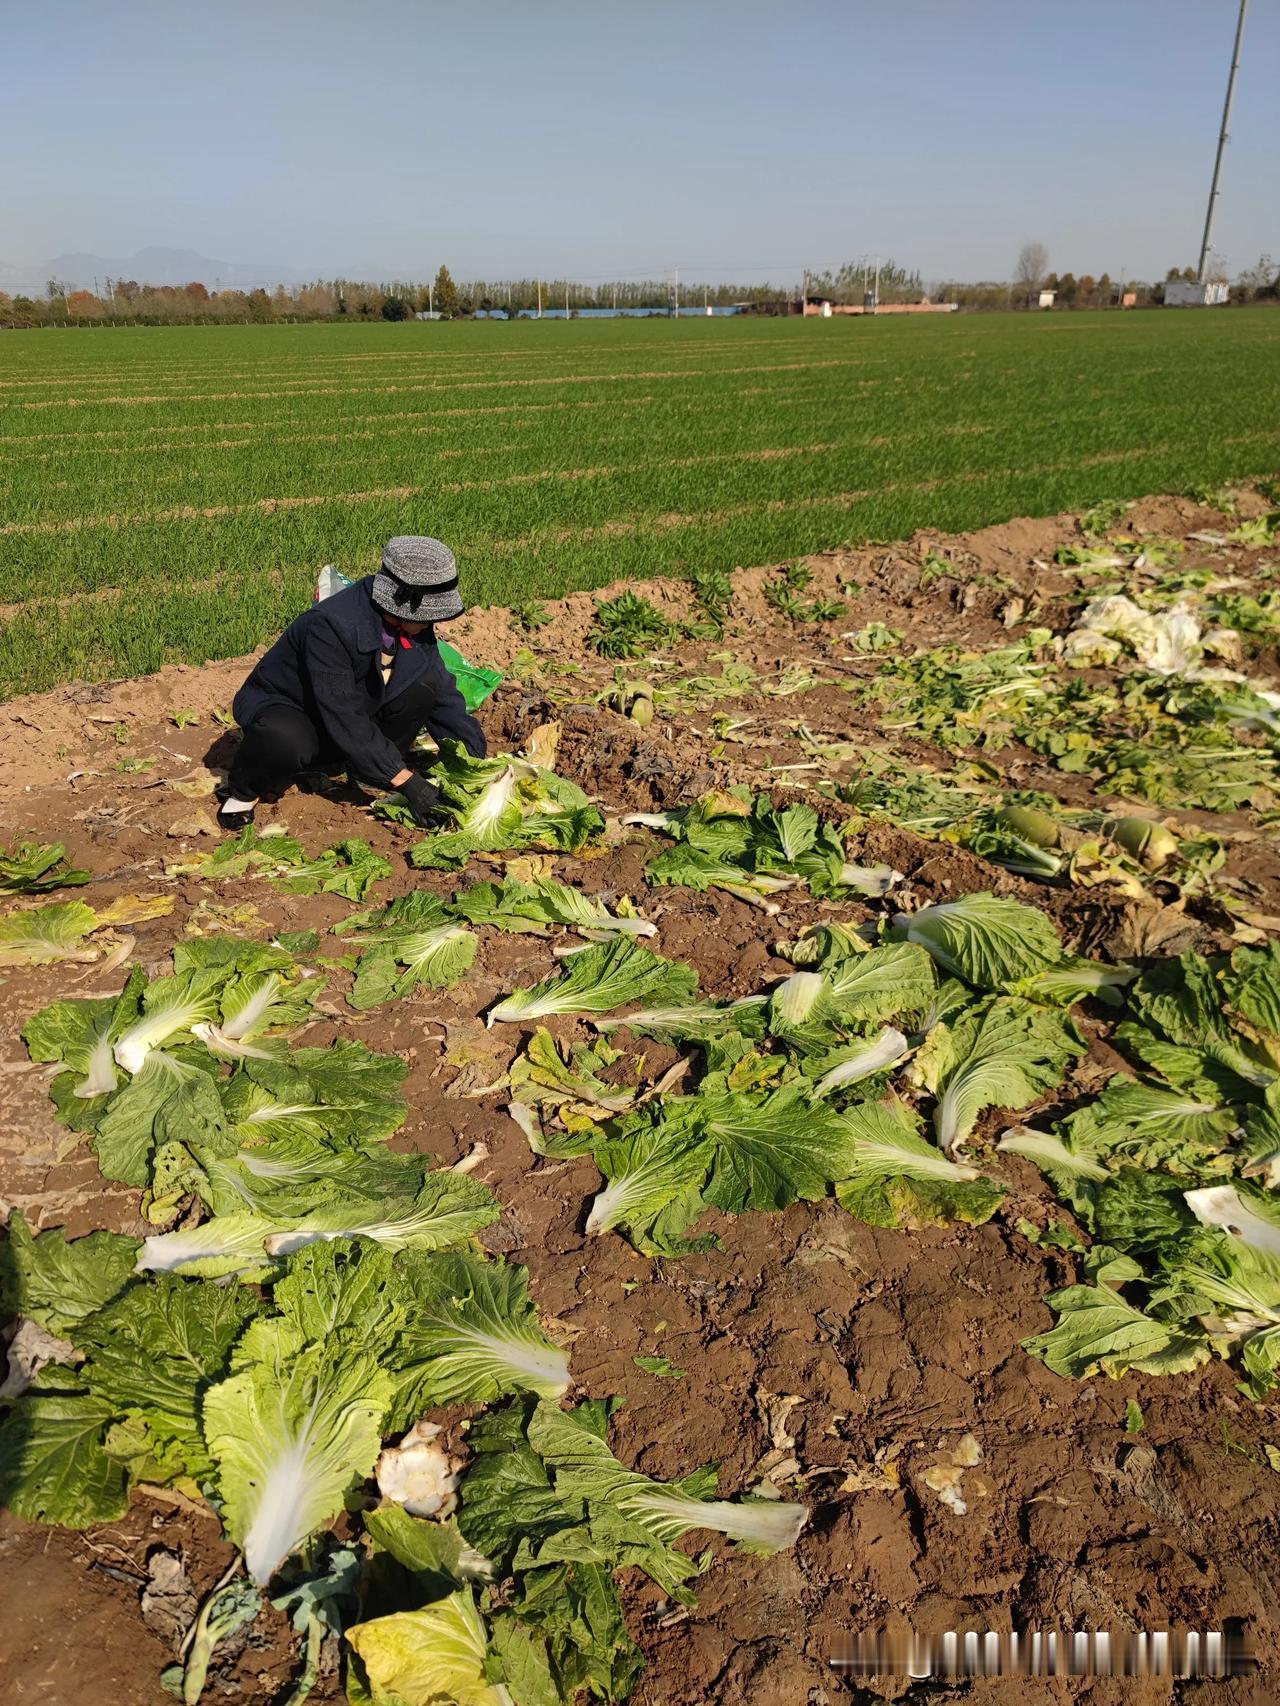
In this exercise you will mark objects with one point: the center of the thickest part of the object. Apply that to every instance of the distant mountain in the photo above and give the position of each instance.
(148, 266)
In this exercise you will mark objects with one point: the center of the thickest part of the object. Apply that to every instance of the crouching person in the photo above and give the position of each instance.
(352, 683)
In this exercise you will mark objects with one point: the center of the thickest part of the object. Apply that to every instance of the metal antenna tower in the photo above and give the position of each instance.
(1206, 244)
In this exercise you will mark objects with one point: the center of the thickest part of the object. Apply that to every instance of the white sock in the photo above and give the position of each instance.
(231, 804)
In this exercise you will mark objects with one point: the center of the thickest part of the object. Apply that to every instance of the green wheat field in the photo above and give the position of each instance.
(169, 493)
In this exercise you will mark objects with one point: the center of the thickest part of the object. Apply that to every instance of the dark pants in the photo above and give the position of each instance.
(282, 741)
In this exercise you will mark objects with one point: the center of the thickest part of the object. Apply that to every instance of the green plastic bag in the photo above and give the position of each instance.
(475, 682)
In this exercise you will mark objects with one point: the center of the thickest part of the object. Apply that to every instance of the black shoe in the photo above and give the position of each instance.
(232, 822)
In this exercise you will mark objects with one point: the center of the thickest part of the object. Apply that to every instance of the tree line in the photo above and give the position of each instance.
(127, 301)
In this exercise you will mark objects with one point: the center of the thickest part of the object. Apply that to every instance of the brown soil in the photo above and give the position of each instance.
(893, 1345)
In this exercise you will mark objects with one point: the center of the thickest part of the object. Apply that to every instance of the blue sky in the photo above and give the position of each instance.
(742, 139)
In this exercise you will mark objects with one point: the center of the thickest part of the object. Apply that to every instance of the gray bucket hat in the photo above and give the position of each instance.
(418, 580)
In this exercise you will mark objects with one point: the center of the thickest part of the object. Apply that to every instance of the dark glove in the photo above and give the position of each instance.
(423, 798)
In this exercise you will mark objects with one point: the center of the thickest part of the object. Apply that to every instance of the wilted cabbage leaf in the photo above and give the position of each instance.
(536, 905)
(896, 1177)
(1098, 1331)
(36, 867)
(44, 934)
(1003, 1053)
(437, 1654)
(600, 980)
(991, 943)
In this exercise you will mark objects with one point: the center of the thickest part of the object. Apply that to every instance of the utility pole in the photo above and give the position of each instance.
(875, 297)
(804, 293)
(615, 299)
(539, 298)
(566, 299)
(676, 271)
(1222, 142)
(431, 296)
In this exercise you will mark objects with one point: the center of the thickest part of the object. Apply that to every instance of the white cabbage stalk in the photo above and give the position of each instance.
(527, 1119)
(434, 1226)
(268, 1169)
(753, 887)
(1079, 977)
(231, 1037)
(229, 1243)
(155, 1028)
(420, 1475)
(484, 818)
(514, 1009)
(653, 820)
(610, 925)
(1239, 1324)
(1250, 1309)
(540, 1366)
(652, 1179)
(770, 1525)
(217, 1041)
(283, 1111)
(947, 1117)
(880, 1052)
(1046, 1150)
(598, 981)
(248, 1019)
(100, 1077)
(1175, 1108)
(894, 1159)
(422, 947)
(793, 1002)
(292, 1431)
(475, 1159)
(984, 939)
(697, 1018)
(1224, 1207)
(612, 1203)
(872, 880)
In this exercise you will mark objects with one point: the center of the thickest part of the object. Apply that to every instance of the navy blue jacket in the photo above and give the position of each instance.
(326, 664)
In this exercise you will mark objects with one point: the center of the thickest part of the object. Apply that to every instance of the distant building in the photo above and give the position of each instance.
(1042, 299)
(1184, 293)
